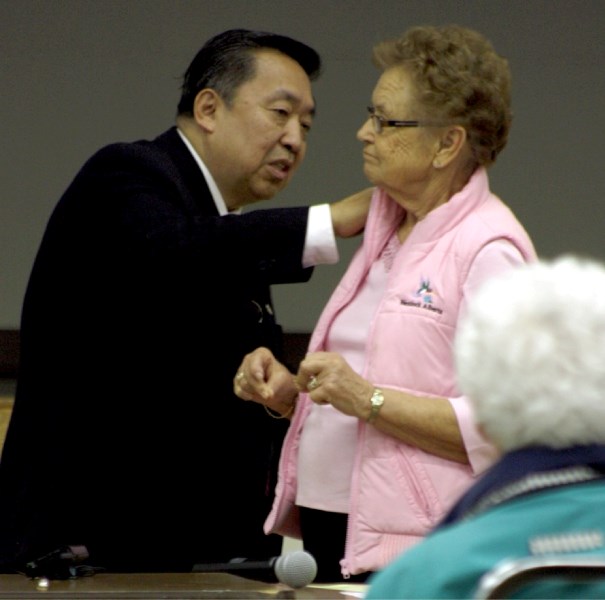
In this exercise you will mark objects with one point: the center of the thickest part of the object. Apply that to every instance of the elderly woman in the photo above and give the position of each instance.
(382, 442)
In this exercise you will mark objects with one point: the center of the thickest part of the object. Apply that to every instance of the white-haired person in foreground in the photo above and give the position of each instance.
(530, 354)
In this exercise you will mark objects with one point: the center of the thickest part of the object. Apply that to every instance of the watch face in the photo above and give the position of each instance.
(377, 398)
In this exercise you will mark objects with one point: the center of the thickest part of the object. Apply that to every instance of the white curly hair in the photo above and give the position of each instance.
(530, 354)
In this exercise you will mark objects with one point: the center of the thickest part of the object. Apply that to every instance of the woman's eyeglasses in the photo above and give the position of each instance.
(380, 123)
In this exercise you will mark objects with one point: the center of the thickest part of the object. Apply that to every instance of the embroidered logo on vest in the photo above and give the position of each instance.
(424, 292)
(423, 297)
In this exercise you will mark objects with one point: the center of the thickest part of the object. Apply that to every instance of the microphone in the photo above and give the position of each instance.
(296, 569)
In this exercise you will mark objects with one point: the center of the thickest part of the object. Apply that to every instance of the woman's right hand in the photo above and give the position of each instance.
(262, 378)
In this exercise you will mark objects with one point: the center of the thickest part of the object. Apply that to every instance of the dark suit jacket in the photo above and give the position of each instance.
(125, 434)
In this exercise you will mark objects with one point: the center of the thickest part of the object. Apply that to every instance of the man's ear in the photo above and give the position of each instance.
(205, 106)
(450, 146)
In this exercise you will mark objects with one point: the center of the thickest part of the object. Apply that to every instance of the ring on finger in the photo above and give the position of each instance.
(312, 383)
(239, 376)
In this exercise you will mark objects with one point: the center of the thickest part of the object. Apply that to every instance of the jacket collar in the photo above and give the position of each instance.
(528, 470)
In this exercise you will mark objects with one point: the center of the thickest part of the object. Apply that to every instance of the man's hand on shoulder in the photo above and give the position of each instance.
(349, 214)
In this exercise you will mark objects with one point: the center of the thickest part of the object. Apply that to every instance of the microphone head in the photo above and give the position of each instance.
(296, 569)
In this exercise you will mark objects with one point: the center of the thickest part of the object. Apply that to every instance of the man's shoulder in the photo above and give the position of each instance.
(162, 144)
(164, 153)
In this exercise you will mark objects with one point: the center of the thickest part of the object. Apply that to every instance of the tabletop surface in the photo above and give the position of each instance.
(184, 586)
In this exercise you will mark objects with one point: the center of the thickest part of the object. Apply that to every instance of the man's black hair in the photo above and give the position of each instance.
(227, 60)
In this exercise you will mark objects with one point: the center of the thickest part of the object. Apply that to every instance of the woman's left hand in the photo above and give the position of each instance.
(330, 380)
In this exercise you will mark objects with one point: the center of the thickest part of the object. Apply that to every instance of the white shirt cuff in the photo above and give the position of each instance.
(320, 242)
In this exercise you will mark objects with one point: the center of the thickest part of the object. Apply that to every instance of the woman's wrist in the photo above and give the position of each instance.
(285, 413)
(284, 409)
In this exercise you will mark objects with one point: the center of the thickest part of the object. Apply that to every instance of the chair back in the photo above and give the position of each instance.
(513, 574)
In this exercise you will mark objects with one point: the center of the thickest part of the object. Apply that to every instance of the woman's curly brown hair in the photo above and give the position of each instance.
(459, 78)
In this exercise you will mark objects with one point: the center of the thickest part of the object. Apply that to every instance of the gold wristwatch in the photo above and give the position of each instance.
(377, 400)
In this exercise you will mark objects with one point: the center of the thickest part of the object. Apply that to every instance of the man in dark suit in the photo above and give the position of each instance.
(145, 294)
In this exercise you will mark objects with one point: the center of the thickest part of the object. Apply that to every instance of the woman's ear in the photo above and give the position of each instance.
(451, 143)
(205, 106)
